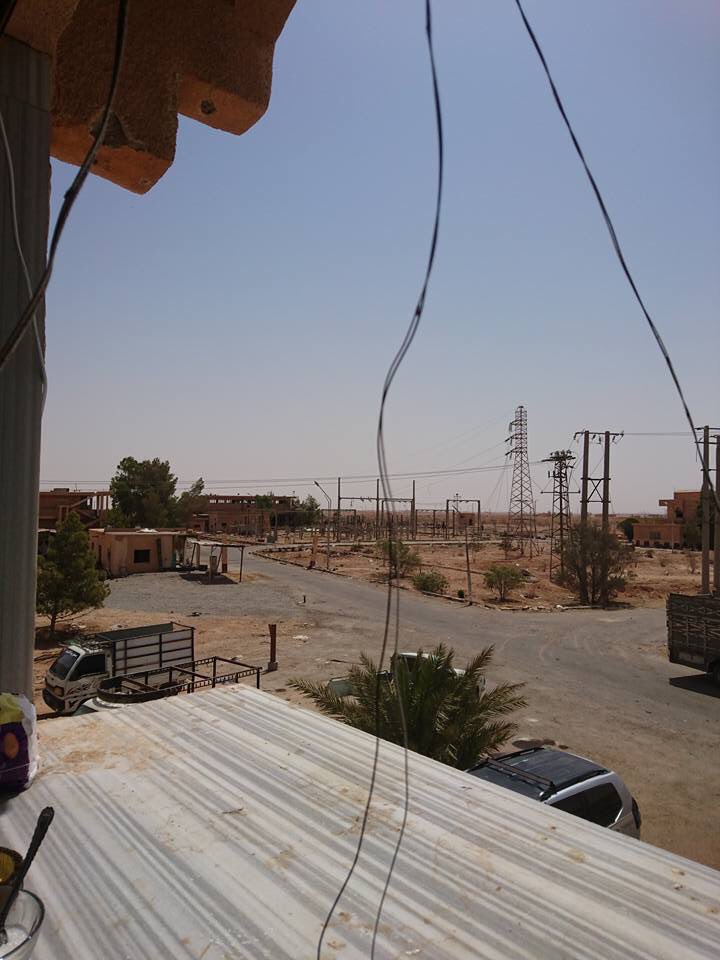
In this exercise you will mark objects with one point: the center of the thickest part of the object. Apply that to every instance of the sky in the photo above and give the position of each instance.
(238, 320)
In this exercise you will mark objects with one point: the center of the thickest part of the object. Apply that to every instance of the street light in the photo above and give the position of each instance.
(327, 564)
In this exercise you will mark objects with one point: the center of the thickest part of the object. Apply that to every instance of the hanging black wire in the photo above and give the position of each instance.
(393, 573)
(620, 255)
(7, 8)
(16, 334)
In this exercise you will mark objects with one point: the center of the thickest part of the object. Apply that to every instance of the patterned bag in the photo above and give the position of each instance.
(18, 742)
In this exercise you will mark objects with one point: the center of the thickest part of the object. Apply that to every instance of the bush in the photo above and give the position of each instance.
(399, 556)
(596, 563)
(431, 581)
(502, 578)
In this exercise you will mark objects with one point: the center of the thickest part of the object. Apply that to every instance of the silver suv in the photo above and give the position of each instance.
(568, 782)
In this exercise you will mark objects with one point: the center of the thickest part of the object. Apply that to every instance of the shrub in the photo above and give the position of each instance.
(438, 708)
(399, 556)
(596, 563)
(503, 578)
(431, 581)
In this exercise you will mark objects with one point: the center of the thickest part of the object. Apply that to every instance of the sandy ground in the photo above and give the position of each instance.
(652, 573)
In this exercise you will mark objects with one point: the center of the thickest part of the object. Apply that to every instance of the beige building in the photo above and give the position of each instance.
(669, 531)
(122, 552)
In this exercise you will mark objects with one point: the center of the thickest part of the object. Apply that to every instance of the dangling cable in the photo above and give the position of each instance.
(385, 482)
(26, 318)
(21, 258)
(620, 255)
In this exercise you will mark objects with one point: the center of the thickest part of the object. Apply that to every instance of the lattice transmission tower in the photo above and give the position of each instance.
(521, 513)
(562, 461)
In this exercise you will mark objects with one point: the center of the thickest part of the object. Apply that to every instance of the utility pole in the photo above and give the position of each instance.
(560, 516)
(596, 489)
(716, 542)
(521, 512)
(585, 476)
(329, 514)
(413, 516)
(337, 521)
(606, 485)
(705, 578)
(377, 509)
(467, 566)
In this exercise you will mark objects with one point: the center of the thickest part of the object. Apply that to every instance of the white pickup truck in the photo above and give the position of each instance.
(76, 674)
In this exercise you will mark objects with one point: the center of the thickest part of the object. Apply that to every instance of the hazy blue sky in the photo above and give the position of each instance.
(238, 319)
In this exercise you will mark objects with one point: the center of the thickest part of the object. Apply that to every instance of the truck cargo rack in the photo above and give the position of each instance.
(143, 685)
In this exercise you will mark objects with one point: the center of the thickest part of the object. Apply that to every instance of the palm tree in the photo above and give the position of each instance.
(445, 716)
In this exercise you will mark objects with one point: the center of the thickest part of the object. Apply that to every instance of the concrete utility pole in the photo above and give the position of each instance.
(413, 516)
(337, 521)
(327, 528)
(705, 577)
(716, 543)
(585, 477)
(25, 103)
(377, 509)
(606, 485)
(596, 489)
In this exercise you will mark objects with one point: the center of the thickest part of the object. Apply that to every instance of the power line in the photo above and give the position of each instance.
(26, 318)
(619, 253)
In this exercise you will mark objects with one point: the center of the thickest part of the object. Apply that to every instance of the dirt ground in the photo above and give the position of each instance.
(652, 575)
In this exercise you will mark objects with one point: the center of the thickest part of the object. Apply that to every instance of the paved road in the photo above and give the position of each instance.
(597, 681)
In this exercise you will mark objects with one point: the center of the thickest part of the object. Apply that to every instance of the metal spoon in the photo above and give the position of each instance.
(41, 827)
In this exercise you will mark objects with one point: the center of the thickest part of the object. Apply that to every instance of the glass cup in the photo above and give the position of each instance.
(22, 925)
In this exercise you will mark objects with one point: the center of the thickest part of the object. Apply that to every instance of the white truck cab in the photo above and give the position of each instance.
(76, 674)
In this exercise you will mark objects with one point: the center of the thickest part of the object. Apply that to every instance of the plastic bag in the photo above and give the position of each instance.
(18, 742)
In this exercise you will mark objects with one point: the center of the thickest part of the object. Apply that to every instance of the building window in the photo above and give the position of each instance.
(141, 556)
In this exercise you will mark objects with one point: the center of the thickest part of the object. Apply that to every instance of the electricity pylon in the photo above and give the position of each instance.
(521, 513)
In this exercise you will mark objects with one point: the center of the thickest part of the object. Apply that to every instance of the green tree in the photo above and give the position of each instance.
(596, 563)
(502, 577)
(400, 558)
(430, 581)
(143, 492)
(264, 500)
(626, 526)
(189, 502)
(307, 512)
(68, 580)
(445, 717)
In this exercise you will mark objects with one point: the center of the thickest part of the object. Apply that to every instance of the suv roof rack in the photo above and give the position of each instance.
(498, 763)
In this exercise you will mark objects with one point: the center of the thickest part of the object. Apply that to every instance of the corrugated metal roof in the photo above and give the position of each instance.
(221, 824)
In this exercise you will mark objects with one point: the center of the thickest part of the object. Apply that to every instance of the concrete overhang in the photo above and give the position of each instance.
(206, 59)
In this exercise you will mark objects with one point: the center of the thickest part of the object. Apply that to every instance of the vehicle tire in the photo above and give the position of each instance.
(715, 673)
